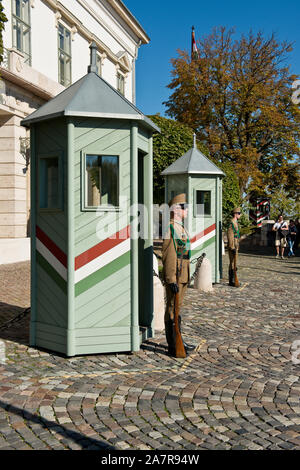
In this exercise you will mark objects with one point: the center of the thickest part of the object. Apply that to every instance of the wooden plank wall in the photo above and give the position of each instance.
(198, 224)
(102, 302)
(51, 288)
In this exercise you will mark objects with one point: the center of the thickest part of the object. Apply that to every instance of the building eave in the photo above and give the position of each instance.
(192, 173)
(130, 20)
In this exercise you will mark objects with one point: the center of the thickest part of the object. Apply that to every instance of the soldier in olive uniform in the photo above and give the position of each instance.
(233, 235)
(176, 253)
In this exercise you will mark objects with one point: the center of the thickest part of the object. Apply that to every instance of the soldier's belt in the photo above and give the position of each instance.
(183, 257)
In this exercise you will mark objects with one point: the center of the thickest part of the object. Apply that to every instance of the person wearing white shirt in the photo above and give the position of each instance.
(280, 239)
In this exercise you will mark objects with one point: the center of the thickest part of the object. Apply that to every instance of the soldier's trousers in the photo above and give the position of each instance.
(169, 312)
(231, 258)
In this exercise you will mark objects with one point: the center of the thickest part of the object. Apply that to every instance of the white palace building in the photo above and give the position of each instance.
(46, 48)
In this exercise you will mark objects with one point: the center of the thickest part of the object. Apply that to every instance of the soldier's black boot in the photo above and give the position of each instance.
(170, 336)
(231, 277)
(188, 347)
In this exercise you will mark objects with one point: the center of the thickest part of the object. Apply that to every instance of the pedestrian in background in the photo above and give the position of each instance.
(281, 229)
(297, 224)
(291, 237)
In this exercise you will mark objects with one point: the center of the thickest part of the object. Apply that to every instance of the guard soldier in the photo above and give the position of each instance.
(233, 235)
(176, 253)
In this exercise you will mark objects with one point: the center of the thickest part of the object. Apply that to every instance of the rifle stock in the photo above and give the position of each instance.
(179, 347)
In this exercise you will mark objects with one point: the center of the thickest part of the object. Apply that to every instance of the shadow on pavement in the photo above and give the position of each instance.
(85, 442)
(14, 325)
(269, 251)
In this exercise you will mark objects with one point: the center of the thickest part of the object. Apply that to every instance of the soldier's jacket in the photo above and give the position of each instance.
(233, 235)
(176, 240)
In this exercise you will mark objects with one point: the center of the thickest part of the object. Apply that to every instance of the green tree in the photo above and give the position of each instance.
(174, 140)
(237, 96)
(230, 191)
(3, 19)
(282, 203)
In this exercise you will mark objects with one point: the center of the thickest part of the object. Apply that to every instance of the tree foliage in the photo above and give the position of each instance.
(3, 19)
(230, 191)
(174, 141)
(282, 203)
(237, 96)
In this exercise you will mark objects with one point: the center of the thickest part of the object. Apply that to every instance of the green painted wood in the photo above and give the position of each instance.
(134, 248)
(51, 337)
(208, 248)
(45, 312)
(115, 347)
(104, 132)
(33, 183)
(106, 309)
(60, 282)
(54, 330)
(87, 222)
(58, 297)
(102, 340)
(145, 262)
(104, 272)
(71, 242)
(55, 229)
(143, 142)
(87, 300)
(114, 317)
(46, 330)
(52, 138)
(176, 184)
(99, 226)
(124, 321)
(98, 332)
(89, 305)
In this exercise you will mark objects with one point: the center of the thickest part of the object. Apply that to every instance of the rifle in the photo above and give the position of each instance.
(236, 281)
(179, 347)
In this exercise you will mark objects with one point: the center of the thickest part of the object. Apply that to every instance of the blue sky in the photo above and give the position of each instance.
(168, 23)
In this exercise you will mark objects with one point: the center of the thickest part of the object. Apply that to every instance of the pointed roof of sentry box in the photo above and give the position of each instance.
(193, 162)
(90, 96)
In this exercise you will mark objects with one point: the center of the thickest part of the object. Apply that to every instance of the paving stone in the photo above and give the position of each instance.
(240, 390)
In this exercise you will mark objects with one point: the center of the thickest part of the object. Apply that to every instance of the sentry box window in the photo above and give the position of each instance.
(203, 203)
(50, 182)
(101, 181)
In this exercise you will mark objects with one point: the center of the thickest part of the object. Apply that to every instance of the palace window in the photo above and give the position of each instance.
(121, 83)
(64, 55)
(101, 180)
(21, 27)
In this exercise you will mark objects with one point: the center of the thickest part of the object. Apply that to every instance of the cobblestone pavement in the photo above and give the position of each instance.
(239, 390)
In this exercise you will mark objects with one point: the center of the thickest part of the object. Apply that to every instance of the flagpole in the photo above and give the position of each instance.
(194, 54)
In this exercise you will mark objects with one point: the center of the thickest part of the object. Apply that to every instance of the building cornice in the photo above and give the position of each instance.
(23, 75)
(129, 19)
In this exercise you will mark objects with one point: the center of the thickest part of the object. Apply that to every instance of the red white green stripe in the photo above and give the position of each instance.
(91, 266)
(204, 236)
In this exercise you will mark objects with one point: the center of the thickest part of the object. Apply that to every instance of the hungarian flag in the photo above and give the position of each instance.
(195, 53)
